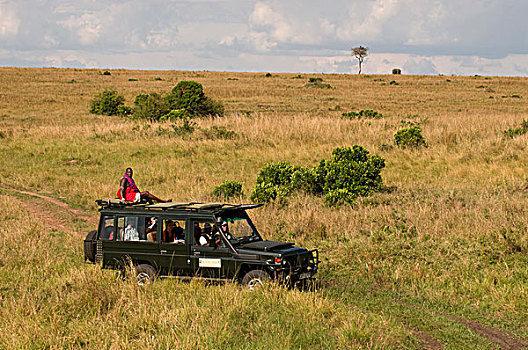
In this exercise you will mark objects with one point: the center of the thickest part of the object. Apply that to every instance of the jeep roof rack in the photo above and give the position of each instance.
(190, 206)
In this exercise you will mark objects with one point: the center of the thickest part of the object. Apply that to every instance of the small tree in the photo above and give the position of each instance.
(360, 53)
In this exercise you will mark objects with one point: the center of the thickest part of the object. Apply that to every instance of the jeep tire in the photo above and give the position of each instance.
(145, 273)
(255, 279)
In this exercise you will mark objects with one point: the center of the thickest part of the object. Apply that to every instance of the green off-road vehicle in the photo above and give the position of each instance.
(213, 241)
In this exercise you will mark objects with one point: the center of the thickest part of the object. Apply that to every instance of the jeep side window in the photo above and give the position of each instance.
(128, 228)
(203, 234)
(173, 231)
(107, 229)
(151, 228)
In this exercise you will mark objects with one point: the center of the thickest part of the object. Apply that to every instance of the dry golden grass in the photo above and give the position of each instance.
(433, 242)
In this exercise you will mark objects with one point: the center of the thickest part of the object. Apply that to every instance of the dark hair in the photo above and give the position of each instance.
(127, 169)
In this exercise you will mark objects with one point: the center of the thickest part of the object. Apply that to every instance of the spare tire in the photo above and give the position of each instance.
(90, 246)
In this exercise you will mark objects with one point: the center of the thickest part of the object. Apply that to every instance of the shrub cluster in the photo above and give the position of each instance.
(521, 130)
(186, 100)
(396, 71)
(346, 175)
(365, 113)
(410, 137)
(228, 189)
(317, 83)
(109, 102)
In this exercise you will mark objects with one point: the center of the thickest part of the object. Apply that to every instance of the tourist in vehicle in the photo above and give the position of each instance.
(129, 192)
(225, 230)
(169, 234)
(173, 233)
(131, 233)
(151, 229)
(197, 233)
(206, 236)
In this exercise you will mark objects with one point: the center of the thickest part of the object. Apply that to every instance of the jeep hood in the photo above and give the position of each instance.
(267, 245)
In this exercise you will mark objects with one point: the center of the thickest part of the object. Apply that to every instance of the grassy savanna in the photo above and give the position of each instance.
(445, 244)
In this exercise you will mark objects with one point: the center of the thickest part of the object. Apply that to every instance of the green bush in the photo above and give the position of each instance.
(394, 82)
(396, 71)
(410, 137)
(107, 73)
(150, 106)
(350, 173)
(228, 189)
(365, 113)
(274, 181)
(346, 175)
(317, 83)
(107, 102)
(186, 100)
(124, 110)
(189, 95)
(521, 130)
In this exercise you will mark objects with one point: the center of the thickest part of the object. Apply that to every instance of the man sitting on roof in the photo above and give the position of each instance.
(129, 192)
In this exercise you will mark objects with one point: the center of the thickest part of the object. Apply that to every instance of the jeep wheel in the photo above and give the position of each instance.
(146, 274)
(255, 278)
(89, 246)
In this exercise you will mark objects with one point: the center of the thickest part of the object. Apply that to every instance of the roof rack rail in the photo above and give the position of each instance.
(190, 206)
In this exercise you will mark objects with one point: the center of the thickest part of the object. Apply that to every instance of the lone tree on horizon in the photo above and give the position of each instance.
(360, 53)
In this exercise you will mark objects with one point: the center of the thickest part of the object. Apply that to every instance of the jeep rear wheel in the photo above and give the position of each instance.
(255, 279)
(146, 274)
(89, 246)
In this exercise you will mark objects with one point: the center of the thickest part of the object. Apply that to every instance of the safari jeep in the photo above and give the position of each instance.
(207, 240)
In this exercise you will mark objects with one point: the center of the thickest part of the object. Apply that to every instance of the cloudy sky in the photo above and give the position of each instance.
(486, 37)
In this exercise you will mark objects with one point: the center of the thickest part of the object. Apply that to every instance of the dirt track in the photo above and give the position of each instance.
(58, 213)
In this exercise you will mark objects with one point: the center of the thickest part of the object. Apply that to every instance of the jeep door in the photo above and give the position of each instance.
(174, 247)
(207, 259)
(126, 239)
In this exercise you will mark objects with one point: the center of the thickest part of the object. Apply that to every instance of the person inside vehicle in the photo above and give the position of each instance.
(197, 233)
(152, 229)
(225, 229)
(129, 192)
(131, 233)
(206, 238)
(169, 234)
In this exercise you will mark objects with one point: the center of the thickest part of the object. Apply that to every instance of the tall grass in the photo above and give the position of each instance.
(448, 236)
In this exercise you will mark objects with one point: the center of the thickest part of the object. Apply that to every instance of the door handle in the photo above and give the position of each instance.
(163, 251)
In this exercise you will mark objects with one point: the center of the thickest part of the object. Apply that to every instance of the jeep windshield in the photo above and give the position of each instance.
(238, 228)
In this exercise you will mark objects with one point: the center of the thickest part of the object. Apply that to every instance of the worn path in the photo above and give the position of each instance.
(58, 215)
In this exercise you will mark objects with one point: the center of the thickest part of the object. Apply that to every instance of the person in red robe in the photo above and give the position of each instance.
(129, 192)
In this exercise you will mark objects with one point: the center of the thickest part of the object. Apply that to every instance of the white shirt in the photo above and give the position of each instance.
(131, 234)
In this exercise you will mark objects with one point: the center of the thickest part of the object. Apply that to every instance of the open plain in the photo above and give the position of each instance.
(438, 259)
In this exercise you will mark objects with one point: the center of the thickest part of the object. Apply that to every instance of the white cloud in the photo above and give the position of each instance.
(9, 22)
(87, 27)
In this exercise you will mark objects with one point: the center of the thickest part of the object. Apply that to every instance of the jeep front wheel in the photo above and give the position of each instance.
(146, 274)
(255, 278)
